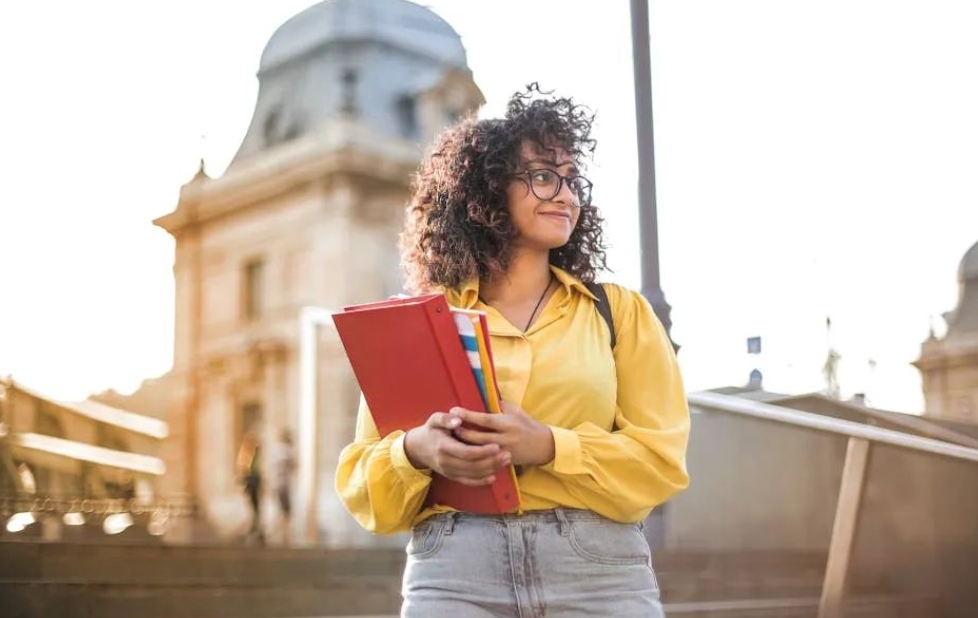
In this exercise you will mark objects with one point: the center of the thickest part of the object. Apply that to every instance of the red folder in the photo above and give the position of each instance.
(409, 361)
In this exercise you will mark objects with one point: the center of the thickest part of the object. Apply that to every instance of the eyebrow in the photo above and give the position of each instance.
(554, 164)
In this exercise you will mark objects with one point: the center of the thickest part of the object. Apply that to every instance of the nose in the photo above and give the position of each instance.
(565, 195)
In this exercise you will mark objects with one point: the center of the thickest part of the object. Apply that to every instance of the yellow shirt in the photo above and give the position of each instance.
(620, 422)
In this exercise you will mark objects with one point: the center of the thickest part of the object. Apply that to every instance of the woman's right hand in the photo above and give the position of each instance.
(433, 446)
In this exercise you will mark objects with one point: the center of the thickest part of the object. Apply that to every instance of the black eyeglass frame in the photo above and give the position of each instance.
(561, 179)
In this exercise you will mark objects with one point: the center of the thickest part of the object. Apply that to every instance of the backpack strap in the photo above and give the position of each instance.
(604, 308)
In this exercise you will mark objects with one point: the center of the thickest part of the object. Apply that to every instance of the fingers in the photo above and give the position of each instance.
(469, 463)
(443, 420)
(475, 474)
(492, 422)
(489, 480)
(510, 408)
(467, 452)
(478, 437)
(465, 455)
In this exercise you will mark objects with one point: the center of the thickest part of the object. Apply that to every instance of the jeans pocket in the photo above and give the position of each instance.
(609, 542)
(427, 537)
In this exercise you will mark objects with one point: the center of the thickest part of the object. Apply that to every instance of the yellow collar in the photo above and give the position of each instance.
(468, 295)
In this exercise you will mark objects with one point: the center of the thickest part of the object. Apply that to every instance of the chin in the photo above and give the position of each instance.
(545, 243)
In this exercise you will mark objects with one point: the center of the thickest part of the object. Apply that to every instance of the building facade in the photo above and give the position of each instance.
(307, 215)
(949, 365)
(79, 470)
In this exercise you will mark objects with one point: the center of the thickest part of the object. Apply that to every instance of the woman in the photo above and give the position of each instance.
(501, 220)
(249, 474)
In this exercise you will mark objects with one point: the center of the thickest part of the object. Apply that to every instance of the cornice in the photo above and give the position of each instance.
(340, 148)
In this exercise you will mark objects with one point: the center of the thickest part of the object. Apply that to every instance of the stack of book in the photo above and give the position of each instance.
(416, 356)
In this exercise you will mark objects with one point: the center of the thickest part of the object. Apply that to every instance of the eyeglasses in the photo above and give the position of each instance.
(546, 184)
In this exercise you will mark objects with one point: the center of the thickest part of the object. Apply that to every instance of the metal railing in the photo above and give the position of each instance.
(861, 438)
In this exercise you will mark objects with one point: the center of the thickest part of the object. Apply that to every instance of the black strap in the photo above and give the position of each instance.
(603, 307)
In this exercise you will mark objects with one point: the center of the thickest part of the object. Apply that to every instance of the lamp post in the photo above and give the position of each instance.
(647, 217)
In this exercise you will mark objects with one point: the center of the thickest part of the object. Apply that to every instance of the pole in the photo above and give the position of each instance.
(647, 216)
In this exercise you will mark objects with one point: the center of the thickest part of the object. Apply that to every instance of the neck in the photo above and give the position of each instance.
(528, 274)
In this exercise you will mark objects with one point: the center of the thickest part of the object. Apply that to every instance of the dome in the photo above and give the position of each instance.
(391, 66)
(969, 264)
(398, 23)
(964, 319)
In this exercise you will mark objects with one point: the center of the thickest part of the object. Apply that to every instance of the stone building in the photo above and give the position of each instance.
(306, 215)
(66, 468)
(949, 365)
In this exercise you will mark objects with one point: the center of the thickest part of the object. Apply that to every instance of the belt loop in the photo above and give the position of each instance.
(563, 524)
(450, 523)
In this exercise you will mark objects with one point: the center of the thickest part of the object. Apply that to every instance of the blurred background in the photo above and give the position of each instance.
(189, 188)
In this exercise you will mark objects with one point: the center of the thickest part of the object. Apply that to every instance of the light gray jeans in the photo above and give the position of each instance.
(561, 563)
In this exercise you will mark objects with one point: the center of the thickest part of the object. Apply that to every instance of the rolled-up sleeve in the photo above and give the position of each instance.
(375, 480)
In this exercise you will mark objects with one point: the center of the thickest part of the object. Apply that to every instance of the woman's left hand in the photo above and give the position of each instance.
(527, 440)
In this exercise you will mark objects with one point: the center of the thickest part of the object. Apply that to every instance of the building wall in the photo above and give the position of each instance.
(327, 243)
(949, 368)
(59, 476)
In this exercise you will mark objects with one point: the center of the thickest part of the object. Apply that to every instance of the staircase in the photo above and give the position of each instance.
(104, 581)
(66, 580)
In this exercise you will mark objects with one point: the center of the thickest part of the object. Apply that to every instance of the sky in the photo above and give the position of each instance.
(813, 159)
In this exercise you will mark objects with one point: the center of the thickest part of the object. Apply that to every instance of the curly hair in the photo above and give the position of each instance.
(457, 224)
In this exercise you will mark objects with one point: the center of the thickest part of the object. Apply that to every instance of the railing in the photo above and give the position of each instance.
(19, 510)
(861, 438)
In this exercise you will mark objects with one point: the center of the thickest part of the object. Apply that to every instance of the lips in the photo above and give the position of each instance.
(556, 214)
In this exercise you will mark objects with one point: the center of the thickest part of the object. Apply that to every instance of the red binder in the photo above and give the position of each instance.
(409, 361)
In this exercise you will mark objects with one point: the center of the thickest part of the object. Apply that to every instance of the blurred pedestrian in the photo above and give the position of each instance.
(249, 475)
(284, 465)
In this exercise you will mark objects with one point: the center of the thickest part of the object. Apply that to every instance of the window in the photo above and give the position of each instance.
(253, 292)
(272, 128)
(348, 92)
(47, 422)
(407, 115)
(250, 416)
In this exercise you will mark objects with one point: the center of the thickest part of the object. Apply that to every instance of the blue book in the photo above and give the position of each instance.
(466, 332)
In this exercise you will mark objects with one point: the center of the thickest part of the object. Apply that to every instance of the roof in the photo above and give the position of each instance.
(101, 413)
(80, 451)
(954, 433)
(357, 59)
(394, 22)
(136, 423)
(907, 422)
(745, 392)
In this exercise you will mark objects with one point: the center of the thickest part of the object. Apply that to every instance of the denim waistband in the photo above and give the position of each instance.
(559, 515)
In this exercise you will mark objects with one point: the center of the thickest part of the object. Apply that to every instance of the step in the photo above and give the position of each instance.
(867, 606)
(194, 582)
(360, 598)
(683, 576)
(121, 564)
(82, 600)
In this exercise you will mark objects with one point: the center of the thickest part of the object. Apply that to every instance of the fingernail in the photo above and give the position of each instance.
(454, 422)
